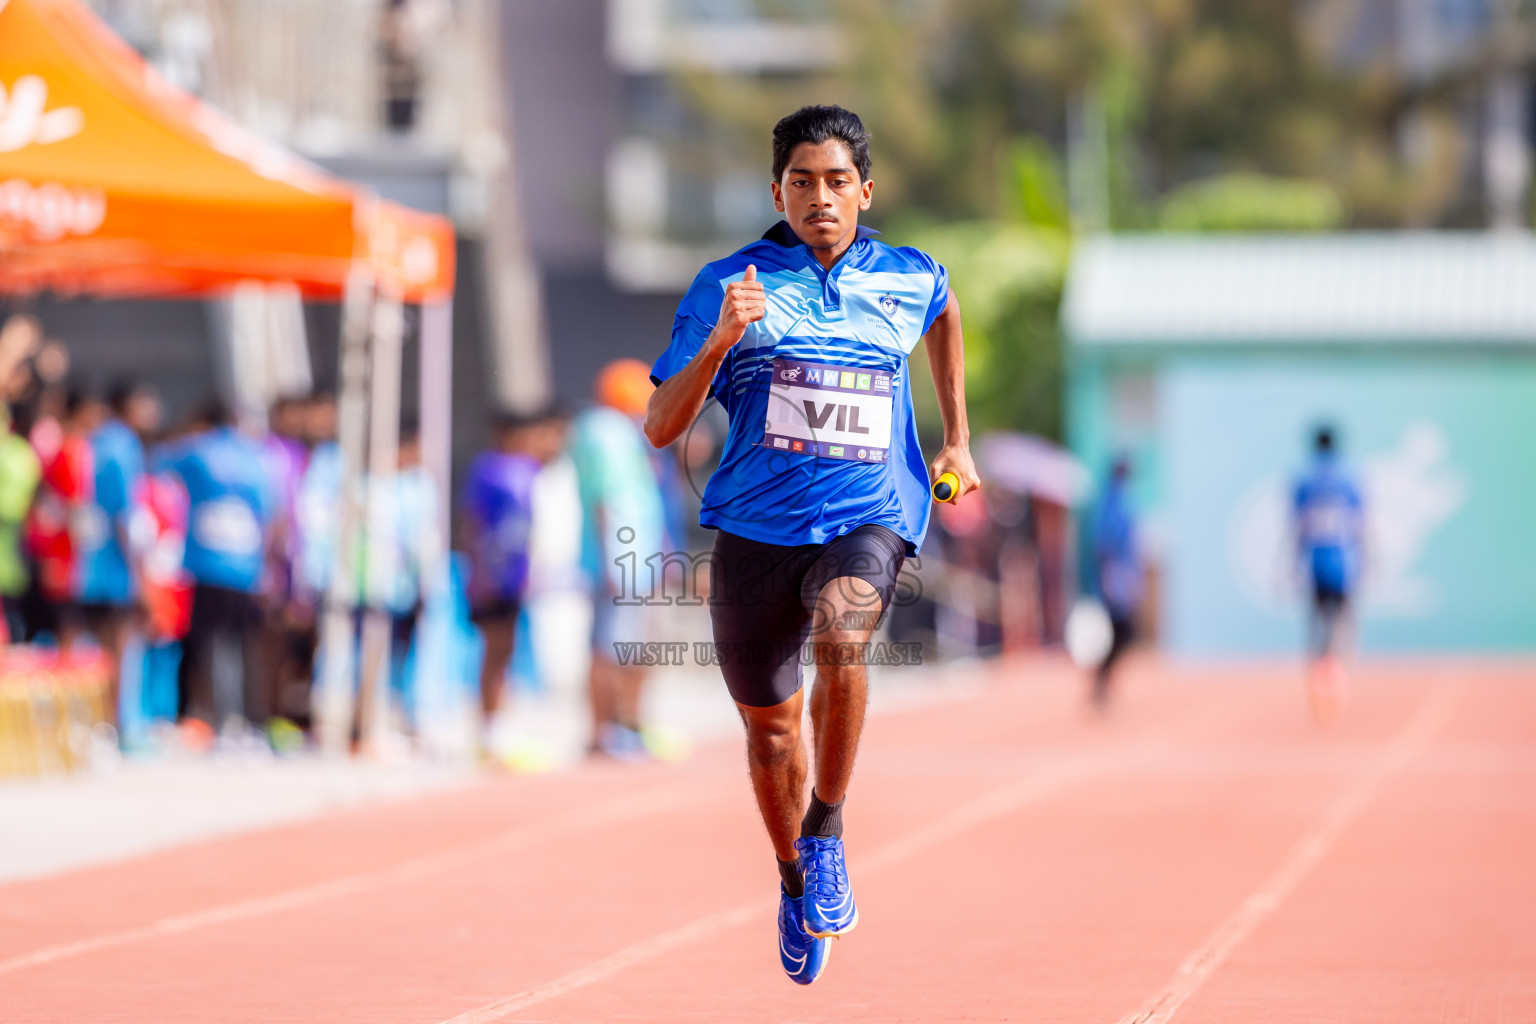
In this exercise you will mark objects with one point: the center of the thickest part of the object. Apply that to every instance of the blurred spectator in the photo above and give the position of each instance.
(107, 582)
(288, 644)
(1118, 573)
(966, 619)
(401, 558)
(167, 591)
(230, 513)
(286, 458)
(317, 527)
(317, 505)
(63, 448)
(19, 475)
(498, 522)
(623, 525)
(407, 32)
(1329, 525)
(20, 339)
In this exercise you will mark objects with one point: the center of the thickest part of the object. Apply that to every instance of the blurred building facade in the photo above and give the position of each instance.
(1211, 361)
(629, 185)
(389, 93)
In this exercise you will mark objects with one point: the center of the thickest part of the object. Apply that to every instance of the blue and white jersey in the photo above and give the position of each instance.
(1330, 524)
(102, 573)
(1115, 549)
(822, 438)
(232, 505)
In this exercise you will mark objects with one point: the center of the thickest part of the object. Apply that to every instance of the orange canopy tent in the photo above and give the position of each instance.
(115, 182)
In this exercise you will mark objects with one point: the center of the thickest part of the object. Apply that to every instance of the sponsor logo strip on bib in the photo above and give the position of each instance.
(833, 412)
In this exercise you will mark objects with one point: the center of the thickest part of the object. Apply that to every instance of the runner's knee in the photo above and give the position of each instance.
(772, 742)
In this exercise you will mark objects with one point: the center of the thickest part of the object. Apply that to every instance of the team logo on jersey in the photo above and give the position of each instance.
(889, 304)
(790, 373)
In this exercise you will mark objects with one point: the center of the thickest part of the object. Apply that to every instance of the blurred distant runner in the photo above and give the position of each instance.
(1119, 574)
(623, 524)
(1330, 534)
(821, 492)
(498, 503)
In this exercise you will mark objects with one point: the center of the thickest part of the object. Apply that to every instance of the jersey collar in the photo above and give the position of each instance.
(831, 296)
(782, 234)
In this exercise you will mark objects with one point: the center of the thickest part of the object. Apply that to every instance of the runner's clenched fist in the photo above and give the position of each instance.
(744, 304)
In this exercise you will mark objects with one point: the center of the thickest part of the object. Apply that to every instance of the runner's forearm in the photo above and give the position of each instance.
(946, 360)
(678, 400)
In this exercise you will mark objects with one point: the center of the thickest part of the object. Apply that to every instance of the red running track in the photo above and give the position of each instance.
(1205, 855)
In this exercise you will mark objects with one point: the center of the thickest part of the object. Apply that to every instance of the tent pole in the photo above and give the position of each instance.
(435, 401)
(379, 529)
(333, 696)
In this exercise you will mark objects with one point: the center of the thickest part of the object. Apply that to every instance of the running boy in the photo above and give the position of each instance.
(821, 492)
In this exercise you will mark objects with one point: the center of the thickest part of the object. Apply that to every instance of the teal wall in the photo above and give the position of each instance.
(1445, 448)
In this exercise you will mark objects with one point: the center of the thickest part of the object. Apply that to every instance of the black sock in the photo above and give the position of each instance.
(823, 819)
(789, 871)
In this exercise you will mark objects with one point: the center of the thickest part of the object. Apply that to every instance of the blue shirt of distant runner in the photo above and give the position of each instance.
(1329, 524)
(822, 438)
(117, 457)
(1119, 562)
(232, 503)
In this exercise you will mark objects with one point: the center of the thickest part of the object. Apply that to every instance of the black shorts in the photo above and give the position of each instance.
(221, 609)
(1328, 598)
(763, 603)
(94, 617)
(494, 609)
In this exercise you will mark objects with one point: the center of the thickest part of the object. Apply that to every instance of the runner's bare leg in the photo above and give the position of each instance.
(847, 609)
(776, 758)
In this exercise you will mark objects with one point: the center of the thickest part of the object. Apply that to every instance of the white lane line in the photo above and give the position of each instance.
(617, 811)
(649, 949)
(1433, 715)
(614, 812)
(1034, 788)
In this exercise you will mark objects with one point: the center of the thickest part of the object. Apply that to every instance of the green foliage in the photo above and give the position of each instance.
(1187, 115)
(1252, 202)
(1008, 278)
(1032, 180)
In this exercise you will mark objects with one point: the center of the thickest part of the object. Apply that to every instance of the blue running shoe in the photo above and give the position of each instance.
(829, 907)
(804, 957)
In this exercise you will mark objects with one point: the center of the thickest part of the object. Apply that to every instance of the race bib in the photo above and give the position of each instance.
(227, 526)
(89, 527)
(832, 412)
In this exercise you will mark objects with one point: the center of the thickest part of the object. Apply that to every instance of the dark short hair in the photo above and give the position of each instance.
(816, 125)
(125, 390)
(507, 421)
(1322, 439)
(78, 396)
(215, 412)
